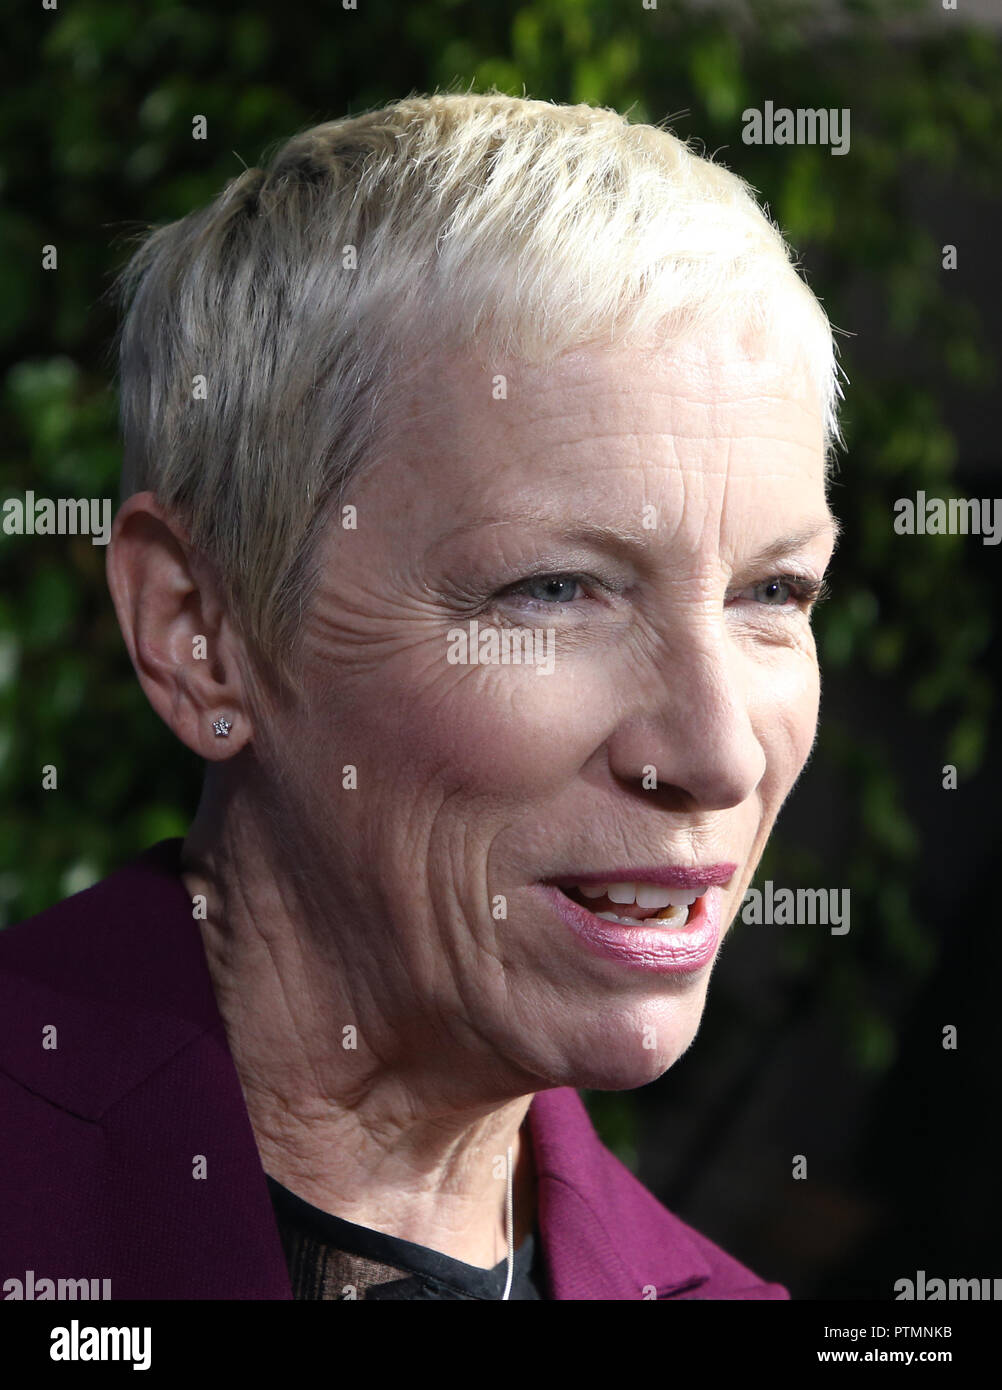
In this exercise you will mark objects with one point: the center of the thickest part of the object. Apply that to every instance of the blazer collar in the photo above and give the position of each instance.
(605, 1236)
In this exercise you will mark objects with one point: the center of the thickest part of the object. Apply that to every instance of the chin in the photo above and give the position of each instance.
(623, 1063)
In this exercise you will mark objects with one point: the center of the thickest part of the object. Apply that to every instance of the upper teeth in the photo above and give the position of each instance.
(643, 894)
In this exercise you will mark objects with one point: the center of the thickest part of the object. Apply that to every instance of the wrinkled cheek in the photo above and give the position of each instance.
(503, 731)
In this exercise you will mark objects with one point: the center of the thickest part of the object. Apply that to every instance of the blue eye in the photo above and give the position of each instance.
(550, 588)
(779, 589)
(776, 592)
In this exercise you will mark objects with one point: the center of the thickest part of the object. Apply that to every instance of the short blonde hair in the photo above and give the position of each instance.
(525, 227)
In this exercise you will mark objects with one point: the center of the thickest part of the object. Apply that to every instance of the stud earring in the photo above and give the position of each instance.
(222, 727)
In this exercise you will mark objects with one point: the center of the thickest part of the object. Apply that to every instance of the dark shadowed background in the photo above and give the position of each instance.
(824, 1046)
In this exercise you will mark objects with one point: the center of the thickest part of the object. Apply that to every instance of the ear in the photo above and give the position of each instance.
(186, 652)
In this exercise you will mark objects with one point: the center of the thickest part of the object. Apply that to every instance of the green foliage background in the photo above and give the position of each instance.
(98, 127)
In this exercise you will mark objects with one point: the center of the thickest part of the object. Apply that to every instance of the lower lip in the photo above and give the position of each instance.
(664, 951)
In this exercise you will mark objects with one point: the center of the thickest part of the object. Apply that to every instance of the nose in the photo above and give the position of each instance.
(690, 720)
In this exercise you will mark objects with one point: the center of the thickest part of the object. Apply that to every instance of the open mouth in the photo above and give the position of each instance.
(637, 904)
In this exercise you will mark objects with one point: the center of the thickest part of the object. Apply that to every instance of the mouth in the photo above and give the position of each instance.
(654, 897)
(631, 904)
(670, 927)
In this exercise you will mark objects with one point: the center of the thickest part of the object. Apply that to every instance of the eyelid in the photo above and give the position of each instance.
(806, 589)
(586, 581)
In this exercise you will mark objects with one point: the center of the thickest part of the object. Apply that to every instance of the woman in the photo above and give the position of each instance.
(474, 509)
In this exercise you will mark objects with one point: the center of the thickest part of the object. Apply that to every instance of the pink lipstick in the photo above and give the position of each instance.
(665, 950)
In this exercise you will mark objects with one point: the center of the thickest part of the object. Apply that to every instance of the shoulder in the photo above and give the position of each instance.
(94, 919)
(98, 989)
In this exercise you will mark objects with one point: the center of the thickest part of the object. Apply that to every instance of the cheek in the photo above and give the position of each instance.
(501, 732)
(785, 705)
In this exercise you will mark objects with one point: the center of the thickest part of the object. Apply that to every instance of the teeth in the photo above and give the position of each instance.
(650, 895)
(668, 916)
(642, 894)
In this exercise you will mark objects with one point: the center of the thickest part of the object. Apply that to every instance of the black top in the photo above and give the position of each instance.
(333, 1259)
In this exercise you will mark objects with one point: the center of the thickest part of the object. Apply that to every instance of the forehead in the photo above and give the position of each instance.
(706, 422)
(710, 389)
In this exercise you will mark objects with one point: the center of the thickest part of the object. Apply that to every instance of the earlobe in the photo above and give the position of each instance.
(175, 629)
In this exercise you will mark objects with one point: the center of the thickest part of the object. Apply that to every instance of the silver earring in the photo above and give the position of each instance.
(222, 727)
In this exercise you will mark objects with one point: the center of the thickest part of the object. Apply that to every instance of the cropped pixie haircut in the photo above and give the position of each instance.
(266, 339)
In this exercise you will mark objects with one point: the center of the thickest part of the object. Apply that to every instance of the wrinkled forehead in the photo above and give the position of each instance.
(707, 385)
(607, 430)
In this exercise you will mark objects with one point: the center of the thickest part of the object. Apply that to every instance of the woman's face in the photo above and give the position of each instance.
(659, 498)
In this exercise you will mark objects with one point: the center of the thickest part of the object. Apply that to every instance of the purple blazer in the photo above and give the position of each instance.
(98, 1135)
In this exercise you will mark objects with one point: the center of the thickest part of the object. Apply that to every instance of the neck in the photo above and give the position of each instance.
(373, 1116)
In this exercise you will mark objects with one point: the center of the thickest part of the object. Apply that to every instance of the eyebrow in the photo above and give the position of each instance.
(595, 533)
(796, 540)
